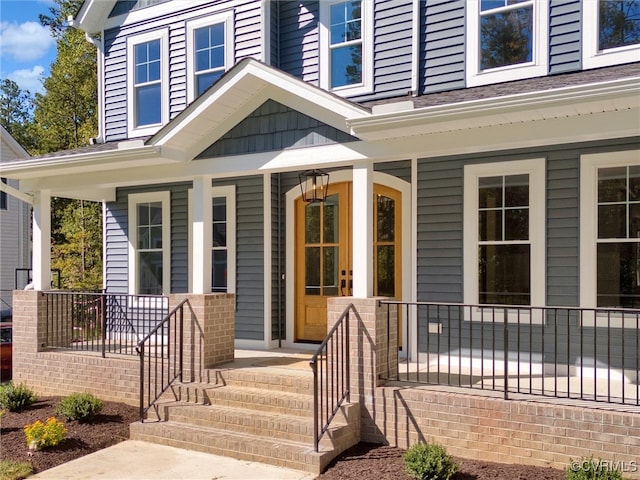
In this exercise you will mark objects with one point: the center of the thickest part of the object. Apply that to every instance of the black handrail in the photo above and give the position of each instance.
(163, 349)
(331, 376)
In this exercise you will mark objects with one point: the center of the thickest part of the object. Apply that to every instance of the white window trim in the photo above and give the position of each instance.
(163, 36)
(367, 50)
(538, 67)
(225, 18)
(134, 199)
(589, 165)
(537, 226)
(591, 56)
(229, 192)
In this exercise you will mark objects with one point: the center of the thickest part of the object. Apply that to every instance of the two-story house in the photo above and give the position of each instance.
(482, 152)
(483, 156)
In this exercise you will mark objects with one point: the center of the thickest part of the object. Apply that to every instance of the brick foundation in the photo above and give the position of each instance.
(542, 433)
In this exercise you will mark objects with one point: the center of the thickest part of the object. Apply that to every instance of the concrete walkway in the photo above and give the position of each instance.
(136, 460)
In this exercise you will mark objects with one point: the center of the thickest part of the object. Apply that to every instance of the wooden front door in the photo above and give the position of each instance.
(323, 254)
(323, 259)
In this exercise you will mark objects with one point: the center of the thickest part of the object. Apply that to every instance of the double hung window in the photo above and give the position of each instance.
(210, 49)
(345, 38)
(507, 40)
(610, 230)
(504, 233)
(149, 248)
(148, 83)
(611, 32)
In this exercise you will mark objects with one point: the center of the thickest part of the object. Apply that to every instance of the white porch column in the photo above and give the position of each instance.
(201, 235)
(41, 261)
(362, 230)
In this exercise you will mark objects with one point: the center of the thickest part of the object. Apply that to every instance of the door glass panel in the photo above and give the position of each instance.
(312, 270)
(385, 258)
(150, 273)
(312, 219)
(386, 219)
(330, 271)
(331, 219)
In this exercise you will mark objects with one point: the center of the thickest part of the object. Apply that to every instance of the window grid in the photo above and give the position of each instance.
(345, 43)
(147, 83)
(209, 55)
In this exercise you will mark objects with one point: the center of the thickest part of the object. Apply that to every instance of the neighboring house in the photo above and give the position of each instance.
(15, 239)
(461, 169)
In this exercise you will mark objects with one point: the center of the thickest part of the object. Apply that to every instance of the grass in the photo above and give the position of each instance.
(10, 470)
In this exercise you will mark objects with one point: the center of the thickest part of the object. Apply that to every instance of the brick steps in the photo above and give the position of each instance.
(249, 413)
(241, 446)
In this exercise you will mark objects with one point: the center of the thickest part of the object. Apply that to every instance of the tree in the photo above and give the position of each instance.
(16, 113)
(66, 117)
(66, 114)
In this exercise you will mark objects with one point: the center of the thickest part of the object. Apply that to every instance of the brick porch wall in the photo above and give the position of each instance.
(116, 377)
(542, 433)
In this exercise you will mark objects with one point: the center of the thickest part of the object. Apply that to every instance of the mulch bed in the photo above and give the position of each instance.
(362, 462)
(109, 427)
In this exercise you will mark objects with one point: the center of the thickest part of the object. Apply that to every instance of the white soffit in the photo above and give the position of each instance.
(563, 103)
(92, 15)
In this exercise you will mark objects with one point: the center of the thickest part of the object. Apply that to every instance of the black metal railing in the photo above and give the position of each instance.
(100, 322)
(24, 276)
(562, 352)
(162, 356)
(331, 377)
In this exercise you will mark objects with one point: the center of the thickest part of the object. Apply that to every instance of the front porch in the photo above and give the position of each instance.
(259, 405)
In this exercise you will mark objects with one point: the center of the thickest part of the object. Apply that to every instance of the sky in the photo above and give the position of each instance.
(26, 47)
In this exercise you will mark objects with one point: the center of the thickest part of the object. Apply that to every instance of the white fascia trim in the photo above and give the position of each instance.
(591, 56)
(92, 15)
(519, 107)
(94, 161)
(263, 76)
(589, 165)
(225, 18)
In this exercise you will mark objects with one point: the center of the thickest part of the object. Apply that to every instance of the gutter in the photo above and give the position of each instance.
(389, 123)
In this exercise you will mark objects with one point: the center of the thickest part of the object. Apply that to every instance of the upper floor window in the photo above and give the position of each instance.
(148, 95)
(3, 197)
(611, 32)
(504, 233)
(346, 50)
(507, 40)
(210, 51)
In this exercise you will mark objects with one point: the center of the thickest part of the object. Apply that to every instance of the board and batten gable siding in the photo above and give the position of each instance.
(565, 31)
(117, 240)
(442, 45)
(272, 127)
(247, 42)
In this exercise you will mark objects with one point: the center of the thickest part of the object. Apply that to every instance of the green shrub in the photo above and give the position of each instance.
(48, 434)
(429, 461)
(79, 406)
(10, 470)
(16, 398)
(589, 468)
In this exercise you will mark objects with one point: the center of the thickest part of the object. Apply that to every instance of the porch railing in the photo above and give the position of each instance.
(161, 354)
(562, 352)
(331, 379)
(100, 322)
